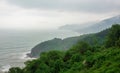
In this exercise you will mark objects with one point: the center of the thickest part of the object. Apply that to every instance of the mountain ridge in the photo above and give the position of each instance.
(80, 58)
(95, 26)
(65, 44)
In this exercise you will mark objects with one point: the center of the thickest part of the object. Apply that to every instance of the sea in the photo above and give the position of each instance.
(15, 44)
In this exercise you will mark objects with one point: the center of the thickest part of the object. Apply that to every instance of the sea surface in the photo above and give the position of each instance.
(15, 44)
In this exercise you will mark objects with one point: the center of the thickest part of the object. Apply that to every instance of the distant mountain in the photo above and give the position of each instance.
(75, 27)
(95, 26)
(65, 44)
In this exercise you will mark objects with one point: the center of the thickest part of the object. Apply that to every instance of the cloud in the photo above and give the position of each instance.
(96, 6)
(44, 14)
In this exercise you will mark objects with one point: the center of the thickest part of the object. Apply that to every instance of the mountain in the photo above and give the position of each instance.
(80, 58)
(94, 26)
(75, 27)
(65, 44)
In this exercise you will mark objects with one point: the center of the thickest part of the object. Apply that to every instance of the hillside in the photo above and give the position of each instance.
(65, 44)
(80, 58)
(94, 26)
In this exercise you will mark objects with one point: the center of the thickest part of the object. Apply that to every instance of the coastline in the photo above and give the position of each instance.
(24, 56)
(29, 56)
(18, 52)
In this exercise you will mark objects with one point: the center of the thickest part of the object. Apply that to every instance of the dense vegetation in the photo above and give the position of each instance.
(81, 58)
(65, 44)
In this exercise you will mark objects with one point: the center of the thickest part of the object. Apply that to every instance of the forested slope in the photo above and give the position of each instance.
(80, 58)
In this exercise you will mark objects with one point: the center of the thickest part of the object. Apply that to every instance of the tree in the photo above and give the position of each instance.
(15, 70)
(113, 36)
(76, 58)
(118, 43)
(82, 47)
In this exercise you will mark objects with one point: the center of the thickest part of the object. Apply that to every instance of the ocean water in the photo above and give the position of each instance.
(15, 44)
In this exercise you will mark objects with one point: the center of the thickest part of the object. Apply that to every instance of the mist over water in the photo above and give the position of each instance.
(15, 44)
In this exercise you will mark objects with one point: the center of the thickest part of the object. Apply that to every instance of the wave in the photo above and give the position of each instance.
(5, 68)
(24, 56)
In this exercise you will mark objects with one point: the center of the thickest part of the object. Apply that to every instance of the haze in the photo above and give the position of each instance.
(49, 14)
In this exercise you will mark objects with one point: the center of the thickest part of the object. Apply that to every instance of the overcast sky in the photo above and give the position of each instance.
(44, 14)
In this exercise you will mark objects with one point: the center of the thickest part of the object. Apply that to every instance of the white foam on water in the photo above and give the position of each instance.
(25, 57)
(6, 68)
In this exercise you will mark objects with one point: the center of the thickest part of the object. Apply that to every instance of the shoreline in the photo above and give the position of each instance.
(28, 55)
(24, 56)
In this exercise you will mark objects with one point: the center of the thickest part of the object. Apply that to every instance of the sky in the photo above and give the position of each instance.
(49, 14)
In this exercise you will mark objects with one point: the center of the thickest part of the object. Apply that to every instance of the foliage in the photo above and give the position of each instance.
(113, 38)
(96, 39)
(15, 70)
(81, 58)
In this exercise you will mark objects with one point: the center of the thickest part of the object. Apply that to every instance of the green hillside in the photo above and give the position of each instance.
(65, 44)
(83, 57)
